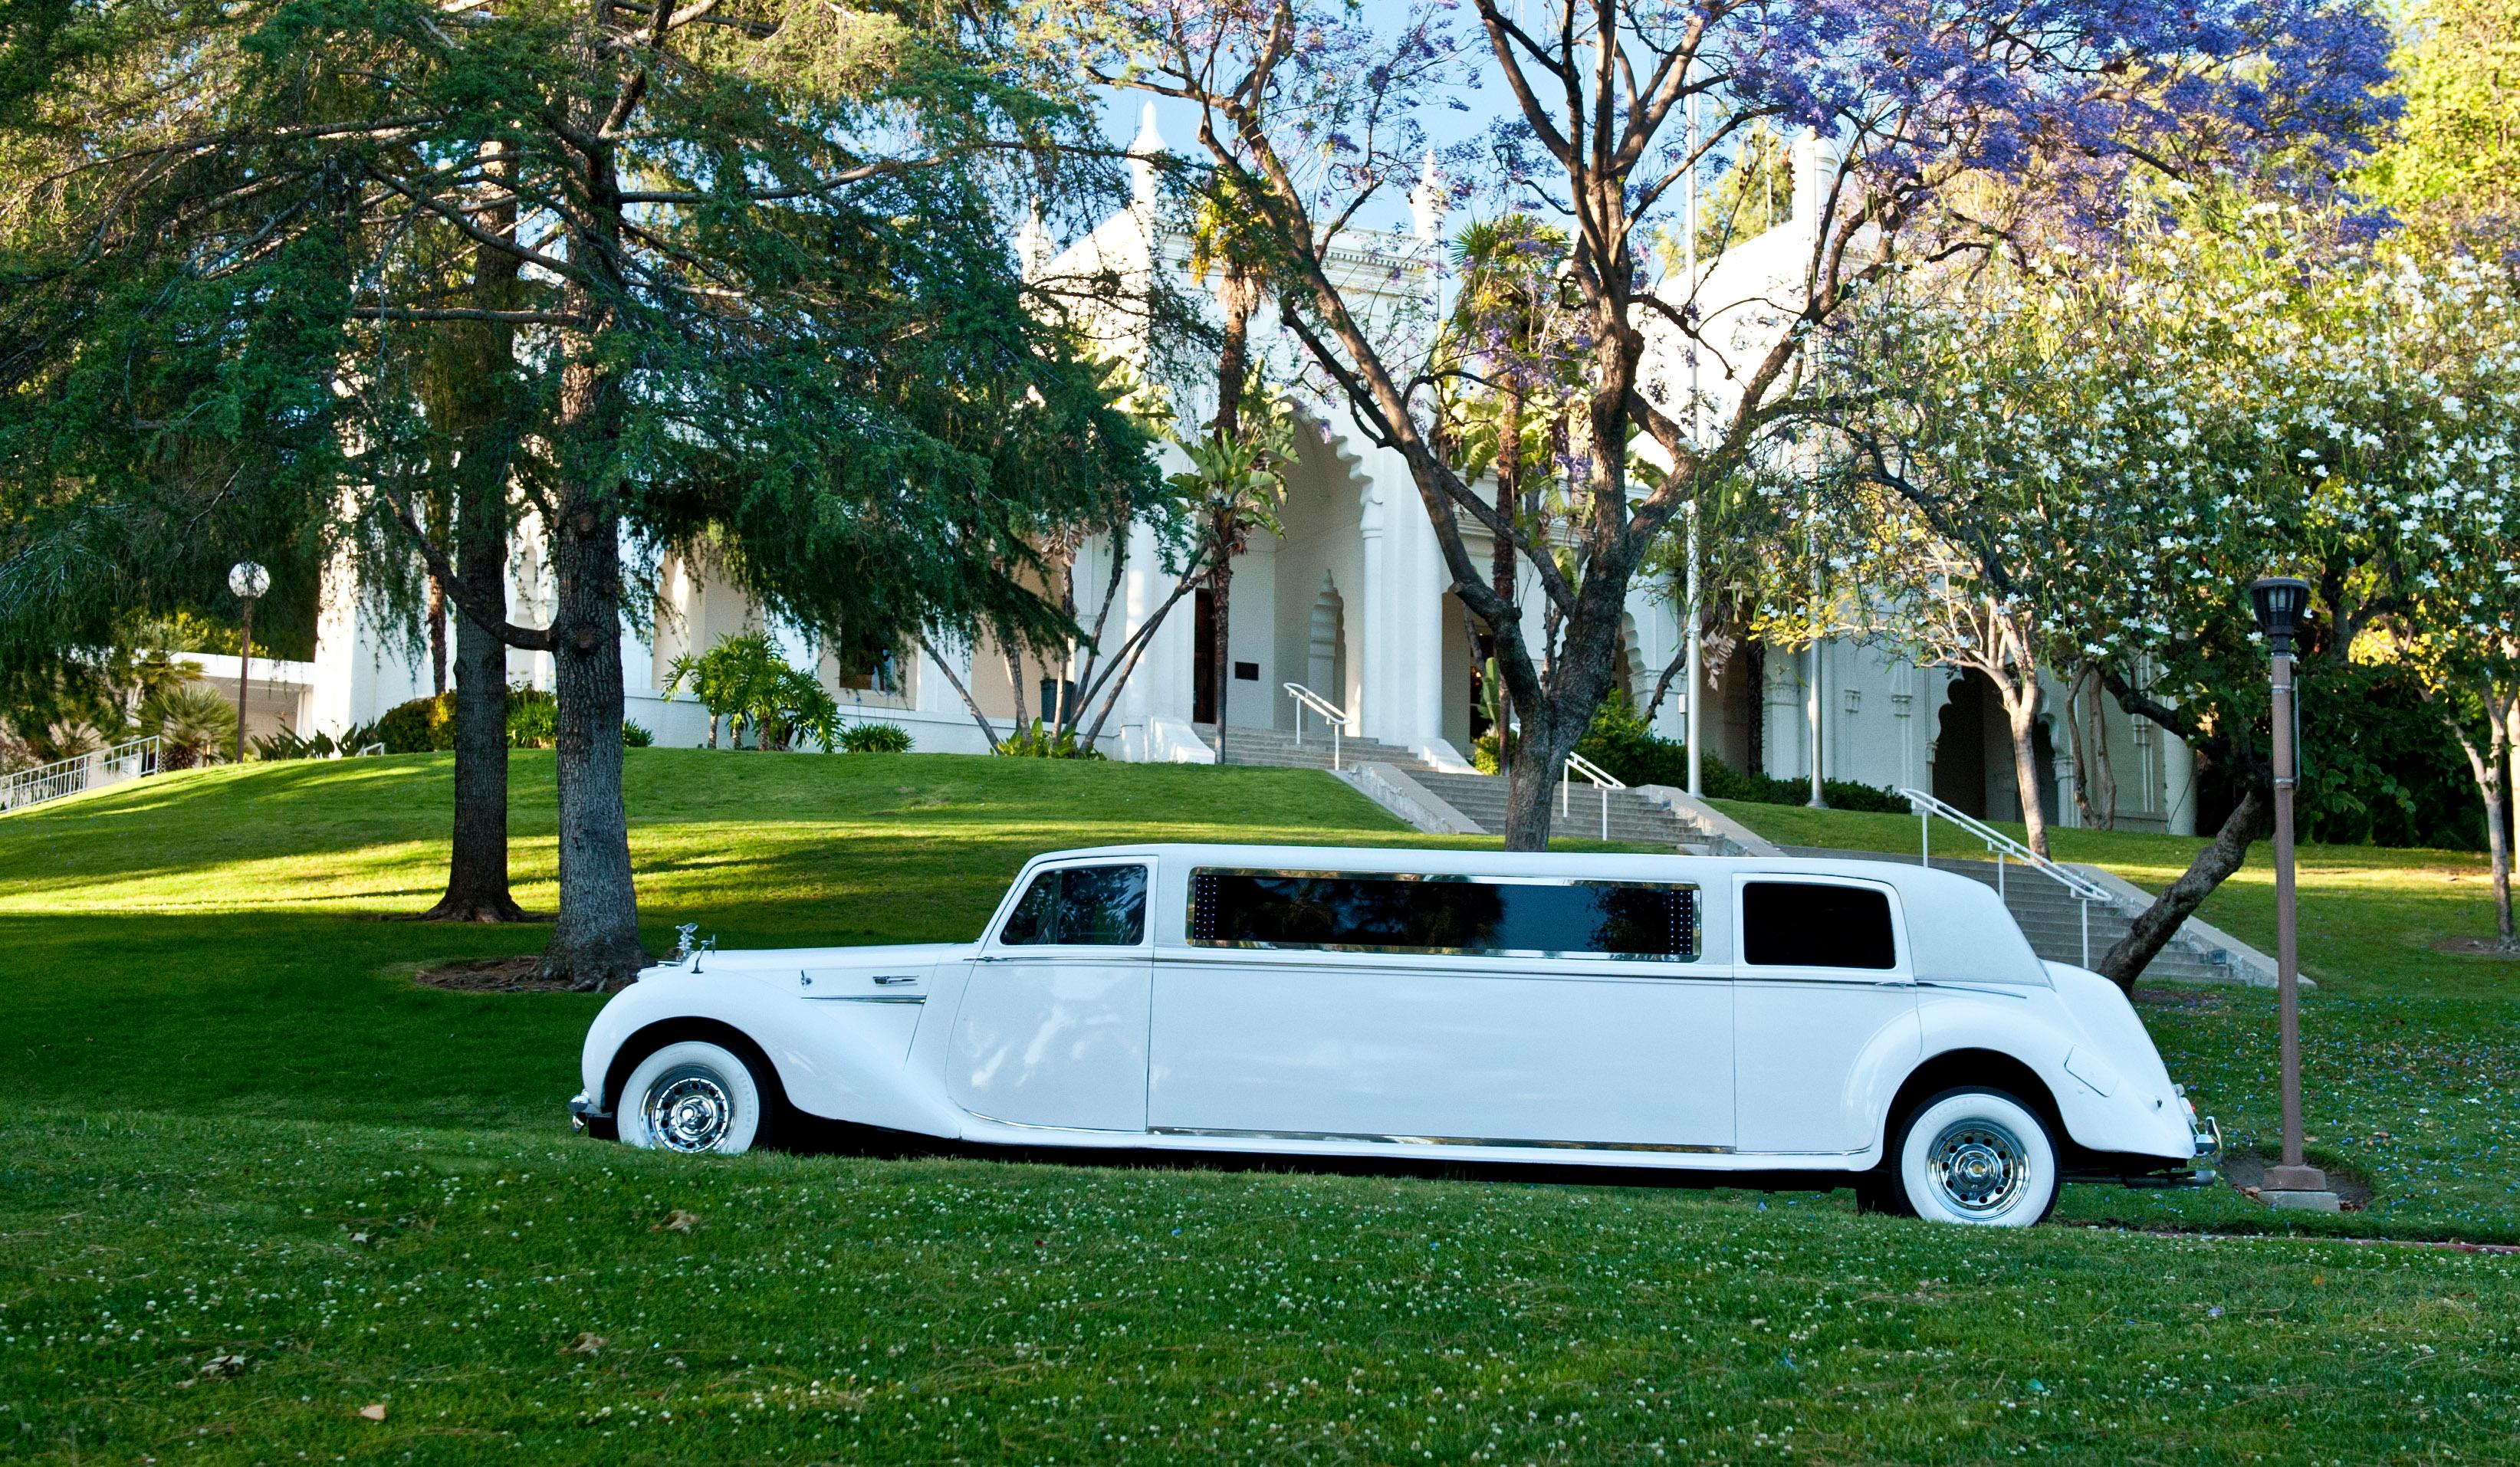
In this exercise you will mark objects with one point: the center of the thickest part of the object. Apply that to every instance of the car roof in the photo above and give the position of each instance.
(1958, 928)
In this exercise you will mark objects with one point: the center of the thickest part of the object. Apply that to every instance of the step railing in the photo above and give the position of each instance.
(1603, 781)
(2005, 848)
(1331, 714)
(127, 760)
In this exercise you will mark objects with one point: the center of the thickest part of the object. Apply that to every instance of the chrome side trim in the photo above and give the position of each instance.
(1220, 1133)
(869, 998)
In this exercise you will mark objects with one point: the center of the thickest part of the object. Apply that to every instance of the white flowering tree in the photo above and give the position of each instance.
(2455, 343)
(2115, 445)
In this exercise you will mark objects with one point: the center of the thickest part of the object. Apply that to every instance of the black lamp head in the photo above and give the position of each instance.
(2281, 601)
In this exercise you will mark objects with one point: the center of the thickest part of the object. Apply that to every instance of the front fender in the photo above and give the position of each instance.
(836, 1059)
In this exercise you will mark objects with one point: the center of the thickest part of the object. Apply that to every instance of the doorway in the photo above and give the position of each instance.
(1204, 681)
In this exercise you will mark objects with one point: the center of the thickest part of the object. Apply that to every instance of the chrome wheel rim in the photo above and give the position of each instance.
(1979, 1168)
(689, 1109)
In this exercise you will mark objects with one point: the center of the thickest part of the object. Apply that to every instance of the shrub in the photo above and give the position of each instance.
(636, 735)
(193, 724)
(533, 718)
(420, 725)
(744, 679)
(874, 738)
(1037, 742)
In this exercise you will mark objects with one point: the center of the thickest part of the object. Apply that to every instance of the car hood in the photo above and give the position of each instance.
(786, 963)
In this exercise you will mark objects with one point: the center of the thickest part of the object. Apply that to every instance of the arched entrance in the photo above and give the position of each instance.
(1959, 745)
(1326, 645)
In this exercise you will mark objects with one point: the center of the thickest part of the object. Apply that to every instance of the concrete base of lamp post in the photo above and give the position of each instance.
(2302, 1189)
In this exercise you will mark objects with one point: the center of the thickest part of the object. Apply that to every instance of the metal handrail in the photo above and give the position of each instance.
(1331, 714)
(2002, 846)
(1603, 781)
(69, 776)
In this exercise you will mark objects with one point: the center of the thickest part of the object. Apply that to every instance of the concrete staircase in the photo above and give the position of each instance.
(1632, 817)
(2051, 917)
(1276, 748)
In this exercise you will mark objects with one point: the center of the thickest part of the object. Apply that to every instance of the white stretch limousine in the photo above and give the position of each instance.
(1761, 1015)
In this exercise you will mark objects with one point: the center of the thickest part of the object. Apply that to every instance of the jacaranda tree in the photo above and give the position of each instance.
(1315, 114)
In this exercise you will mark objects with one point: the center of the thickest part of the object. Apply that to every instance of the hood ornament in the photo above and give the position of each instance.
(686, 949)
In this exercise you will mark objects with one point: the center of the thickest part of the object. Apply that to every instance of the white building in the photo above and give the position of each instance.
(1352, 602)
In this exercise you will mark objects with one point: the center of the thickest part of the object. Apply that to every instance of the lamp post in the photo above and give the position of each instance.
(249, 581)
(2280, 602)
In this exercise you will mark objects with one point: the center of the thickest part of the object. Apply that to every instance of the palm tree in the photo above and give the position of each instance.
(1220, 244)
(1506, 268)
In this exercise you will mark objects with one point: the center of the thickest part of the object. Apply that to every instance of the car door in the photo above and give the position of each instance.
(1823, 995)
(1052, 1030)
(1522, 1046)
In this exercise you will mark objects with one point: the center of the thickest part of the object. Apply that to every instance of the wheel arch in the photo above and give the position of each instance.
(1974, 1069)
(647, 1041)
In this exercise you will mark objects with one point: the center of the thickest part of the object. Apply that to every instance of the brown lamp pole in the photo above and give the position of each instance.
(249, 581)
(2281, 602)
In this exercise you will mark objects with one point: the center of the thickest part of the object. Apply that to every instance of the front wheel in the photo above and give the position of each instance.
(1976, 1156)
(694, 1097)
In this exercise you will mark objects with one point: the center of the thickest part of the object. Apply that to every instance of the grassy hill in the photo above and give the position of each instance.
(253, 1179)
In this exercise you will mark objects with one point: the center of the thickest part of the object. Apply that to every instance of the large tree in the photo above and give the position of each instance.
(1311, 112)
(761, 291)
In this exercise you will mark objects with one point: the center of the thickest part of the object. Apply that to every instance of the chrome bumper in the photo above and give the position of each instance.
(585, 1115)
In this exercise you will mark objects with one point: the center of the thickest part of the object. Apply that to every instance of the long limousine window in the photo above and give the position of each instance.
(1809, 924)
(1081, 906)
(1401, 914)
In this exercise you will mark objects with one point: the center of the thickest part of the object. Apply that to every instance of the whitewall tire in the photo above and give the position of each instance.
(694, 1097)
(1979, 1157)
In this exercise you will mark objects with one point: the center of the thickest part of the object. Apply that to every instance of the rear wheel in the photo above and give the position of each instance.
(1976, 1156)
(695, 1098)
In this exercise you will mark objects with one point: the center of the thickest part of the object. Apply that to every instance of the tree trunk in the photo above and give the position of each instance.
(1238, 291)
(2021, 715)
(1754, 684)
(437, 637)
(1553, 727)
(476, 869)
(595, 946)
(1500, 557)
(2487, 767)
(476, 873)
(2153, 929)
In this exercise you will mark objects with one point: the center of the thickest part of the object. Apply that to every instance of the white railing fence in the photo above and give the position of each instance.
(1603, 781)
(127, 760)
(2003, 848)
(1331, 714)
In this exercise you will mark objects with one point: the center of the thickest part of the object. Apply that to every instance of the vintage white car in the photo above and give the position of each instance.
(1756, 1016)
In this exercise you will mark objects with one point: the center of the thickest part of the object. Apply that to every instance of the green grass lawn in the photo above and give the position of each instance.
(239, 1130)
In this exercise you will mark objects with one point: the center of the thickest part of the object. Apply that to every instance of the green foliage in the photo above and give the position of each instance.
(2454, 169)
(635, 736)
(533, 718)
(419, 726)
(874, 738)
(285, 744)
(192, 723)
(1038, 741)
(746, 680)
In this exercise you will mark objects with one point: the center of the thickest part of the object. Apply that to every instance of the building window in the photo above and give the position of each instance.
(1809, 924)
(1081, 906)
(1411, 914)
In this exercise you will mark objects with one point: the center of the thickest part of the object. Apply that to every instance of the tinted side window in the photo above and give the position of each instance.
(1082, 907)
(1412, 914)
(1806, 924)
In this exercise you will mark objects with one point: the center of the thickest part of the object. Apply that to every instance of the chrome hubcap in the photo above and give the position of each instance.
(1979, 1167)
(689, 1109)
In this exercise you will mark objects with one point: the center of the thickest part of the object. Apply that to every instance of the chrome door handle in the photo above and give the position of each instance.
(891, 978)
